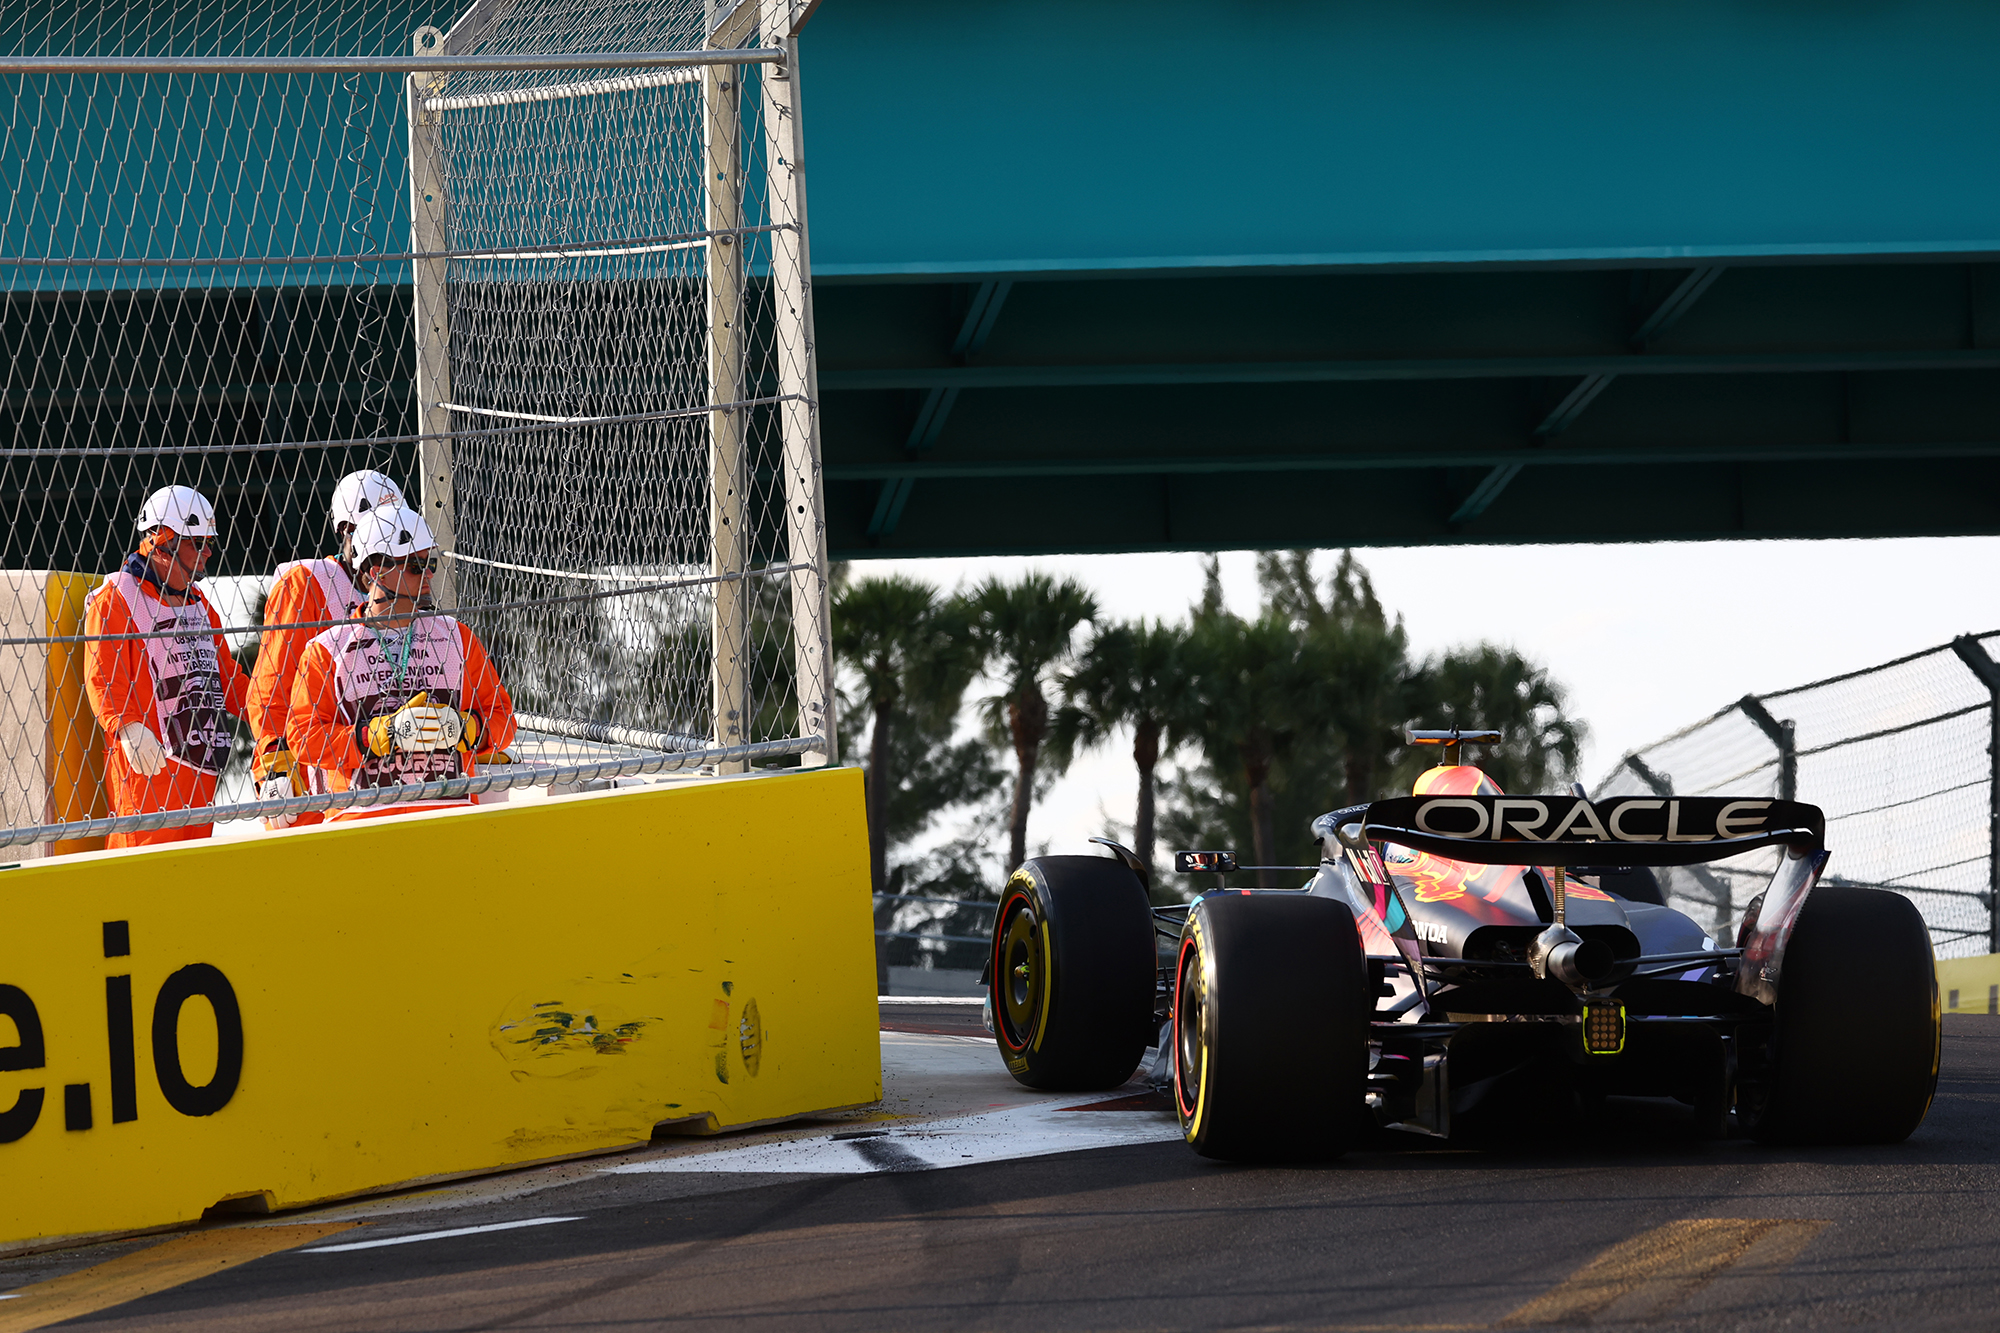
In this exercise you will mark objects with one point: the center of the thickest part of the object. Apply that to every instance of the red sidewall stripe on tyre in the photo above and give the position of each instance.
(1002, 923)
(1180, 983)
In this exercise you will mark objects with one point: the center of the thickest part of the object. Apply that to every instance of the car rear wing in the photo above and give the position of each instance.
(1573, 830)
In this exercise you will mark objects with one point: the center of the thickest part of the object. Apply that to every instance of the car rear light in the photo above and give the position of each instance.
(1603, 1027)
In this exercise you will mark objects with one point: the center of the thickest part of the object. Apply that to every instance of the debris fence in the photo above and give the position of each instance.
(543, 264)
(1902, 758)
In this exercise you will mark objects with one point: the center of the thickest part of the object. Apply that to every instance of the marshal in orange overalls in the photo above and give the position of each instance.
(179, 687)
(306, 591)
(349, 676)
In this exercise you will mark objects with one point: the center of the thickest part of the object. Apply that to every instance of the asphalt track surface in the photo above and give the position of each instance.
(1632, 1223)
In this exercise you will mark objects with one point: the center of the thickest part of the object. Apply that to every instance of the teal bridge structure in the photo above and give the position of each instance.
(1104, 275)
(1191, 274)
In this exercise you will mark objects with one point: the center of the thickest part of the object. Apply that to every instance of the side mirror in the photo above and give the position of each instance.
(1212, 863)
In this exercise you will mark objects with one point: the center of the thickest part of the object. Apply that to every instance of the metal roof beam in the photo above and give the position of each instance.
(973, 331)
(1485, 493)
(1383, 369)
(930, 419)
(1031, 515)
(979, 317)
(1678, 302)
(1392, 460)
(1571, 407)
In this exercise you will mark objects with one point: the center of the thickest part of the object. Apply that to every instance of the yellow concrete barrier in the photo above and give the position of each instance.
(1970, 985)
(336, 1010)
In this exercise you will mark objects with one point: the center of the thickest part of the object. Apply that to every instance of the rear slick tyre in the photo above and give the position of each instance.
(1856, 1036)
(1270, 1027)
(1074, 973)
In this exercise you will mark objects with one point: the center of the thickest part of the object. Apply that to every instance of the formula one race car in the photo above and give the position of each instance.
(1461, 957)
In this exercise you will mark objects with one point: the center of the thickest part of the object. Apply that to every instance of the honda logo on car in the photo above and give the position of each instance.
(1574, 819)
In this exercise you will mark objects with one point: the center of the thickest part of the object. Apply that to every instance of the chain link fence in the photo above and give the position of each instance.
(931, 946)
(1902, 759)
(541, 262)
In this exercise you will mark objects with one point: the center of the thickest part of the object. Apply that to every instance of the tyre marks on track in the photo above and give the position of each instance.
(993, 1136)
(1654, 1273)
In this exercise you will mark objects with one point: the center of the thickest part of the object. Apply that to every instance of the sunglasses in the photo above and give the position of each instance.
(412, 564)
(203, 544)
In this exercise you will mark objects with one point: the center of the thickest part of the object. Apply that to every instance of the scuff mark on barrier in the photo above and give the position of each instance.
(552, 1142)
(750, 1037)
(567, 1037)
(718, 1023)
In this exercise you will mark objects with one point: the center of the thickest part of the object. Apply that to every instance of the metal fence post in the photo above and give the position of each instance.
(1988, 671)
(1719, 890)
(1784, 736)
(798, 383)
(722, 100)
(432, 316)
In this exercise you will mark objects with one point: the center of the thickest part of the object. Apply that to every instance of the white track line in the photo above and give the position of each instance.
(436, 1235)
(993, 1136)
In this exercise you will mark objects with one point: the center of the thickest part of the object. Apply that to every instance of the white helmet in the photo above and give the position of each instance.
(359, 492)
(393, 530)
(182, 510)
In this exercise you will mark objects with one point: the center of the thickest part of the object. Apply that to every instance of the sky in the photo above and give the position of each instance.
(1646, 638)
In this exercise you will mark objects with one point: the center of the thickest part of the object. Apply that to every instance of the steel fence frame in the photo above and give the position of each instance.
(1891, 752)
(752, 131)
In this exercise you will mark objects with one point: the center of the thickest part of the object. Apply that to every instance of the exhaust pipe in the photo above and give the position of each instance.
(1558, 953)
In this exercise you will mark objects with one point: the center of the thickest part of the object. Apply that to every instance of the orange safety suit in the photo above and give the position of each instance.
(351, 675)
(305, 592)
(179, 687)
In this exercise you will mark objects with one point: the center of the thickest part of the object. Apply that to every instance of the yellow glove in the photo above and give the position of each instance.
(417, 726)
(275, 764)
(469, 732)
(277, 778)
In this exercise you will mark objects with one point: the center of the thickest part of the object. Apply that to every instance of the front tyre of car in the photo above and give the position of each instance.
(1856, 1034)
(1270, 1027)
(1073, 973)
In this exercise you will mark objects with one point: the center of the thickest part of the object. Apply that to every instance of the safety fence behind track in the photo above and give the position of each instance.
(1901, 757)
(936, 934)
(546, 268)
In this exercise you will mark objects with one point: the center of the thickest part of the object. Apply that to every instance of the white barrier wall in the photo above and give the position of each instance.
(51, 751)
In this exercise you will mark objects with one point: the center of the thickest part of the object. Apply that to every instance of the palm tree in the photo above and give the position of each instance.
(1260, 687)
(1489, 686)
(1329, 726)
(1364, 658)
(1132, 675)
(1024, 632)
(1369, 691)
(910, 649)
